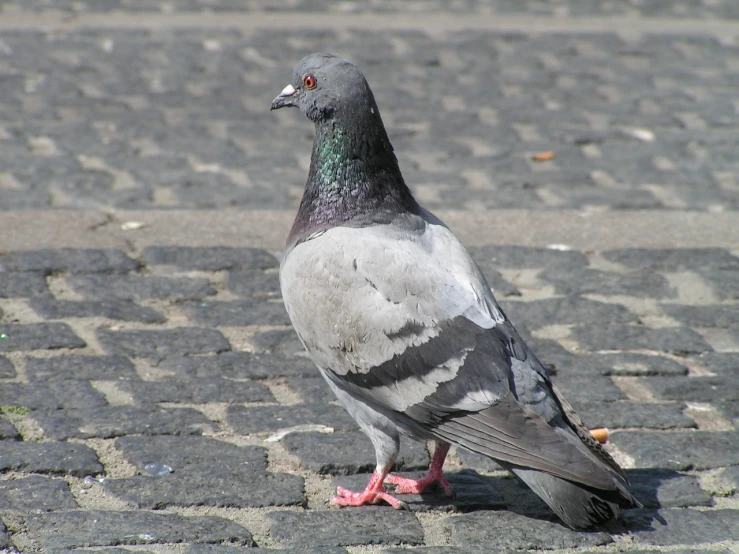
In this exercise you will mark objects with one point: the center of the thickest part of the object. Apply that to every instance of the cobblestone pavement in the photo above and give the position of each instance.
(153, 396)
(176, 115)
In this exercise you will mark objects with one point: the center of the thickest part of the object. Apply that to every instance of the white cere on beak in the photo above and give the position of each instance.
(289, 90)
(372, 110)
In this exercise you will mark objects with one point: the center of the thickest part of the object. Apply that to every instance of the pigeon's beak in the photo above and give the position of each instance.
(285, 98)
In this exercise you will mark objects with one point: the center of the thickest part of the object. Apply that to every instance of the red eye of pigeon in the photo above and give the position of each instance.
(309, 81)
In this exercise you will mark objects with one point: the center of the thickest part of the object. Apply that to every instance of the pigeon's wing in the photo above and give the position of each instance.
(400, 317)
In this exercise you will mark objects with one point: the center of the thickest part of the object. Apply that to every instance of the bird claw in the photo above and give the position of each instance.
(418, 486)
(350, 498)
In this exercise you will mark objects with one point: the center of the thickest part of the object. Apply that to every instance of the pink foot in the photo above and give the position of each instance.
(373, 494)
(417, 486)
(348, 498)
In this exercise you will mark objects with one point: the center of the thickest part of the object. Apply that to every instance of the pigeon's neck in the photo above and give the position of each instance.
(354, 177)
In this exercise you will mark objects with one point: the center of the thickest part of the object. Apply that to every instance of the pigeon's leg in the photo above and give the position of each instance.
(384, 436)
(374, 493)
(435, 475)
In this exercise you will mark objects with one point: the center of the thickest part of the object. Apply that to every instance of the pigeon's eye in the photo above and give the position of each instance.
(309, 81)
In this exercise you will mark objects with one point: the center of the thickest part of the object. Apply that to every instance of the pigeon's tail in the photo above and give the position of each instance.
(579, 507)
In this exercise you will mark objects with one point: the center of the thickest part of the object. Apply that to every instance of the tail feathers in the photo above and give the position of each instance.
(579, 507)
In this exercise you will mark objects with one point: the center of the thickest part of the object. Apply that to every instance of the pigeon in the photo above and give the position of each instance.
(406, 331)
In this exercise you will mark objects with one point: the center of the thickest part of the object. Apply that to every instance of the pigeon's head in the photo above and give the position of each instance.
(325, 84)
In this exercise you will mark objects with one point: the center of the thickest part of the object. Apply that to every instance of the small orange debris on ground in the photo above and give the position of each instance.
(543, 156)
(601, 435)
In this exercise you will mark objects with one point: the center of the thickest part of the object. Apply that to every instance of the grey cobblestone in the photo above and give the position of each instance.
(197, 391)
(695, 389)
(38, 336)
(221, 549)
(68, 260)
(667, 489)
(95, 550)
(594, 388)
(115, 421)
(518, 257)
(592, 281)
(247, 420)
(4, 539)
(240, 365)
(160, 344)
(620, 415)
(80, 367)
(205, 472)
(278, 342)
(203, 488)
(679, 451)
(111, 309)
(36, 493)
(7, 369)
(53, 395)
(108, 528)
(724, 282)
(678, 340)
(568, 310)
(345, 527)
(48, 458)
(192, 453)
(725, 317)
(8, 431)
(265, 366)
(729, 478)
(209, 259)
(437, 550)
(688, 259)
(669, 527)
(230, 313)
(730, 410)
(626, 364)
(252, 283)
(141, 287)
(722, 363)
(549, 351)
(22, 284)
(312, 390)
(506, 530)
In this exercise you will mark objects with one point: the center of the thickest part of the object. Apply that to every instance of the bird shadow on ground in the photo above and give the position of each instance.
(646, 485)
(476, 492)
